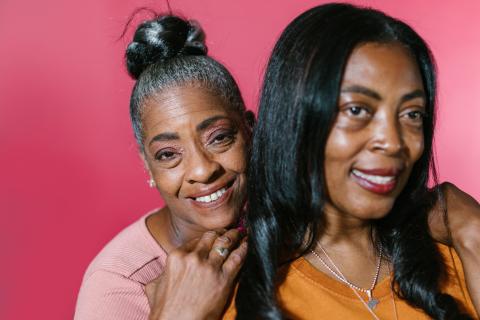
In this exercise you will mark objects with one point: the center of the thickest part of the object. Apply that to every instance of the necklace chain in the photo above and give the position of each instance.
(339, 275)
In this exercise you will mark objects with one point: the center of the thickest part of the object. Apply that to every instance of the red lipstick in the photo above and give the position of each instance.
(380, 181)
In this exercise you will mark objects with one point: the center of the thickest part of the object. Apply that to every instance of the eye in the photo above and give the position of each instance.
(415, 115)
(357, 111)
(222, 138)
(165, 155)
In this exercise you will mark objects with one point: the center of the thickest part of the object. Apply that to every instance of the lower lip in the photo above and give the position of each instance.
(216, 203)
(375, 187)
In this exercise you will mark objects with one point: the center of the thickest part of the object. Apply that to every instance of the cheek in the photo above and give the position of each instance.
(168, 181)
(416, 146)
(234, 159)
(341, 146)
(338, 151)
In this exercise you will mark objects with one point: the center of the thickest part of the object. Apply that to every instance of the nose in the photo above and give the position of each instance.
(201, 167)
(388, 137)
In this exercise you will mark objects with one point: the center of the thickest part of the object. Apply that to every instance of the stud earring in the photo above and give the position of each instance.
(152, 183)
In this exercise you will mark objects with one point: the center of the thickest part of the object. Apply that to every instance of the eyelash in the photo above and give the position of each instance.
(228, 135)
(420, 115)
(417, 113)
(163, 153)
(350, 111)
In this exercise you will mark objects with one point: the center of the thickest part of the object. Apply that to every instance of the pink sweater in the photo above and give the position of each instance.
(113, 285)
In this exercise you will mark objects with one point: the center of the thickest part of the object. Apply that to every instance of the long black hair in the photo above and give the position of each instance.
(286, 180)
(169, 51)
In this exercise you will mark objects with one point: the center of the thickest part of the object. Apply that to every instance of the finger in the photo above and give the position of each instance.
(190, 245)
(223, 245)
(205, 243)
(234, 262)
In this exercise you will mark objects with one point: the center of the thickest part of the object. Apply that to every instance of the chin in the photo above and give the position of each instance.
(226, 221)
(375, 211)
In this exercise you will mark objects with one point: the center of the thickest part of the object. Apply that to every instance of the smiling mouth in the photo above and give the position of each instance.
(377, 179)
(211, 197)
(378, 183)
(215, 197)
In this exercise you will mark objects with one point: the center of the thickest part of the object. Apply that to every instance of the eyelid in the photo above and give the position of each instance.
(219, 124)
(218, 131)
(418, 109)
(158, 153)
(350, 105)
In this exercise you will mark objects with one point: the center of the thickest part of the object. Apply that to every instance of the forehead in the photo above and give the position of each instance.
(181, 105)
(382, 66)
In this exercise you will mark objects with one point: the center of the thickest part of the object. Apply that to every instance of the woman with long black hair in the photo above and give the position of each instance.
(338, 198)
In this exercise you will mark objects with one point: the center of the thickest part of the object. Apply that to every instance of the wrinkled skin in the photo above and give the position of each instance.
(197, 281)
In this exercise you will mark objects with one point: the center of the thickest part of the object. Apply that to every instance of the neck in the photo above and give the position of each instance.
(342, 229)
(348, 242)
(171, 232)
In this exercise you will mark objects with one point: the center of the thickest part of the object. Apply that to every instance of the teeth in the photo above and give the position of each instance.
(374, 179)
(211, 197)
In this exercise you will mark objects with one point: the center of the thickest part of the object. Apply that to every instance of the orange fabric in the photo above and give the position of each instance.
(308, 293)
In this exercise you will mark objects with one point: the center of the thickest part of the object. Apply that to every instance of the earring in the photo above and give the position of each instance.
(152, 183)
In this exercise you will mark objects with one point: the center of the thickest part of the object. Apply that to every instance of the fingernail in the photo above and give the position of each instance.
(242, 229)
(241, 225)
(224, 239)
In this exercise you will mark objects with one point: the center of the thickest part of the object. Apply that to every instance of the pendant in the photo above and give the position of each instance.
(372, 302)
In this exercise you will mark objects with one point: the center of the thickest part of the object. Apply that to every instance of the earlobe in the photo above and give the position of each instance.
(151, 182)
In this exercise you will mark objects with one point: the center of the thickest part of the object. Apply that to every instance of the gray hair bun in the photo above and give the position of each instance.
(161, 39)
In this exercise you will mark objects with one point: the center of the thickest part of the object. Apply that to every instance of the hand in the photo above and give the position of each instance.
(198, 278)
(463, 217)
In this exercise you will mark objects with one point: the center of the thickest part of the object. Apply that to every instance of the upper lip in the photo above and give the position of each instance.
(211, 189)
(386, 172)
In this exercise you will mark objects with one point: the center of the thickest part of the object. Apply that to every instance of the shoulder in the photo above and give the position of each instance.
(107, 295)
(113, 285)
(129, 253)
(454, 283)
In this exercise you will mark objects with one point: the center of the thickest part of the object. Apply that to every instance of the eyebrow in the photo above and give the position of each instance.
(165, 136)
(362, 90)
(169, 136)
(412, 95)
(368, 92)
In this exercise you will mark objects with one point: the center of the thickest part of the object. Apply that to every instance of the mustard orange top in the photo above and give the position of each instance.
(308, 293)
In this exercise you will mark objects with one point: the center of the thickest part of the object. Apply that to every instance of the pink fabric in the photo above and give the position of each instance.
(113, 285)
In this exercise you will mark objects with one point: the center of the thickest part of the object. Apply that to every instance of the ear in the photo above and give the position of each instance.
(151, 182)
(145, 164)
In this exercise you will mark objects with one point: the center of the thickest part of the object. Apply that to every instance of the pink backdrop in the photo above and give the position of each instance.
(70, 174)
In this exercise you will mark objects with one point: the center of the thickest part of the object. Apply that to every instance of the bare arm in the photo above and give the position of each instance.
(463, 217)
(198, 278)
